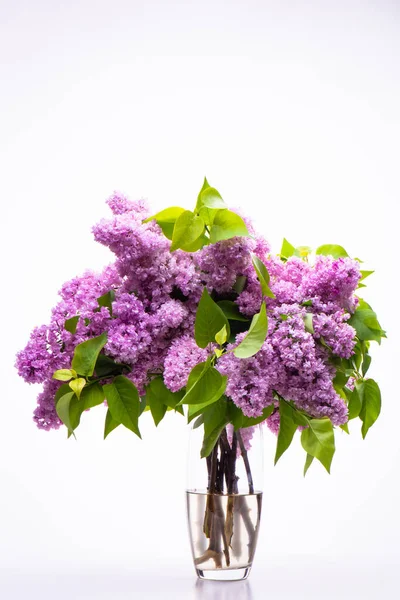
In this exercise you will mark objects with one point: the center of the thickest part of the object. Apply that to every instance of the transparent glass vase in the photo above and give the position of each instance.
(224, 499)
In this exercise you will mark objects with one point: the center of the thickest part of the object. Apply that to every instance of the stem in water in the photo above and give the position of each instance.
(246, 462)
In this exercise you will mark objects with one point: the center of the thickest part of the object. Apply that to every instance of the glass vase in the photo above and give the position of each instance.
(224, 498)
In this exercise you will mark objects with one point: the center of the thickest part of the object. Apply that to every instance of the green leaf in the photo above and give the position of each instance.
(157, 407)
(287, 249)
(123, 402)
(205, 385)
(240, 284)
(171, 399)
(221, 336)
(159, 398)
(345, 428)
(231, 310)
(240, 421)
(63, 389)
(188, 228)
(255, 337)
(71, 324)
(263, 276)
(204, 187)
(215, 419)
(77, 385)
(287, 429)
(357, 357)
(365, 274)
(300, 418)
(69, 410)
(64, 374)
(308, 322)
(318, 440)
(199, 422)
(332, 250)
(339, 381)
(106, 300)
(366, 324)
(194, 410)
(166, 219)
(106, 366)
(143, 405)
(209, 320)
(92, 395)
(110, 424)
(211, 198)
(86, 353)
(309, 460)
(197, 244)
(227, 224)
(371, 405)
(62, 408)
(353, 402)
(208, 215)
(366, 364)
(307, 303)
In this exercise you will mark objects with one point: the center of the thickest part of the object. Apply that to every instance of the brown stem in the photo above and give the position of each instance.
(208, 459)
(246, 462)
(230, 467)
(222, 466)
(214, 467)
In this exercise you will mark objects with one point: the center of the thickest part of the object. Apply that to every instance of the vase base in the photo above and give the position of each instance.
(224, 574)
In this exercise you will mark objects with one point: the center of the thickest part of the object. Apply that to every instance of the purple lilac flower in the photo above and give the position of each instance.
(45, 415)
(273, 422)
(156, 297)
(35, 363)
(333, 280)
(120, 204)
(182, 356)
(223, 262)
(289, 363)
(335, 332)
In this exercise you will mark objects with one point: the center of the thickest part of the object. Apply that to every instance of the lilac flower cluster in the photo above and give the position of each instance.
(151, 325)
(292, 362)
(146, 317)
(223, 262)
(182, 356)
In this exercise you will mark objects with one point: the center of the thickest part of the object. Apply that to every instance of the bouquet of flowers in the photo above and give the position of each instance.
(197, 312)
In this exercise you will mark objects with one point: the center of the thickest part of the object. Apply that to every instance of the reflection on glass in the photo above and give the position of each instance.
(217, 590)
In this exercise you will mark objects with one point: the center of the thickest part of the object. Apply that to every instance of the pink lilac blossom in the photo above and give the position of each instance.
(223, 262)
(35, 362)
(145, 319)
(156, 297)
(45, 415)
(288, 363)
(182, 356)
(335, 332)
(120, 204)
(333, 280)
(273, 422)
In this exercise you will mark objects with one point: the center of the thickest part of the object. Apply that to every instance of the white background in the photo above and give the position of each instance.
(291, 109)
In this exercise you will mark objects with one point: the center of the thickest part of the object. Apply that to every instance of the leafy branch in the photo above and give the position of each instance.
(210, 221)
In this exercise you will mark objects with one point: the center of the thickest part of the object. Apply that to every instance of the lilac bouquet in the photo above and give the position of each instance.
(197, 311)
